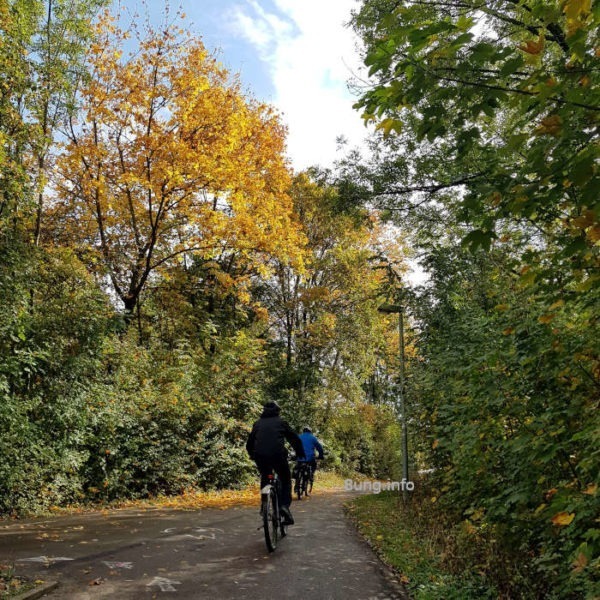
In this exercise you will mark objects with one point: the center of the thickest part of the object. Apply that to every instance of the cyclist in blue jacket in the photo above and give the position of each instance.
(310, 443)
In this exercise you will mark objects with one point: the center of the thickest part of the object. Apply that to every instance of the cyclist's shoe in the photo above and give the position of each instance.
(287, 516)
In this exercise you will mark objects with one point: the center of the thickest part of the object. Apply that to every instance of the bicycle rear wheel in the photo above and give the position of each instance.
(270, 520)
(300, 481)
(304, 486)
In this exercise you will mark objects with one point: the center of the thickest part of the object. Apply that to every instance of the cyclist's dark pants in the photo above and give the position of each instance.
(266, 464)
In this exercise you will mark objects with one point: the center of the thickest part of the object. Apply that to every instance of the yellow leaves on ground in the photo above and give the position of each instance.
(216, 499)
(591, 489)
(188, 500)
(325, 482)
(562, 519)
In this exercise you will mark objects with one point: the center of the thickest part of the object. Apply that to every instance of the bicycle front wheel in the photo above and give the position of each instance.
(270, 521)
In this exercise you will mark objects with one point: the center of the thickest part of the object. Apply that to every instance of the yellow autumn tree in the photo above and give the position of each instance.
(168, 157)
(327, 315)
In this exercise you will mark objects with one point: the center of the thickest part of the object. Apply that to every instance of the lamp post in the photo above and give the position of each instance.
(393, 309)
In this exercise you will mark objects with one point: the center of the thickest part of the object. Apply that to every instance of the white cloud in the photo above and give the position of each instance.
(310, 56)
(259, 27)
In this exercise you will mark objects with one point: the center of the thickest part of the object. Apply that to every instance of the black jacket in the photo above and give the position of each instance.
(268, 435)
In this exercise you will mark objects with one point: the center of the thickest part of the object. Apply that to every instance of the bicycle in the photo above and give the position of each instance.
(271, 513)
(304, 479)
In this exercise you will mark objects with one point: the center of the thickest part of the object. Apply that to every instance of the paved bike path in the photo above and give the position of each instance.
(209, 553)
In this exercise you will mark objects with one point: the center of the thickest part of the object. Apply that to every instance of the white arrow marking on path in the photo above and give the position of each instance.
(212, 536)
(165, 585)
(44, 559)
(118, 565)
(212, 530)
(202, 533)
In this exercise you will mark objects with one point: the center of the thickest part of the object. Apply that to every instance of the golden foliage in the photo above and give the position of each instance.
(591, 489)
(550, 125)
(171, 158)
(576, 12)
(532, 47)
(580, 562)
(563, 518)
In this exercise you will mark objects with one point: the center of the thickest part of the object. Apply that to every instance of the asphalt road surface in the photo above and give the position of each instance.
(209, 553)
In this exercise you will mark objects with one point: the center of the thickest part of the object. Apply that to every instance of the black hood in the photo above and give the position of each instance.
(270, 410)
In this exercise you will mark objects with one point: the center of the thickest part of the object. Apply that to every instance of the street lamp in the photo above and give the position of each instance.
(393, 309)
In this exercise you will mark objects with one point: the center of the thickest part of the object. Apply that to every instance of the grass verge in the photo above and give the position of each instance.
(412, 544)
(13, 585)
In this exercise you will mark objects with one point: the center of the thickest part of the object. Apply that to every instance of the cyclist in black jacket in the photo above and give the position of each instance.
(266, 447)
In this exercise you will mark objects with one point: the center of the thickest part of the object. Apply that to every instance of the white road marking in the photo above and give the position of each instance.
(118, 565)
(165, 585)
(45, 559)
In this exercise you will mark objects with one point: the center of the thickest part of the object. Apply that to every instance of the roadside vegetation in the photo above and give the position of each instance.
(154, 290)
(197, 499)
(13, 585)
(488, 161)
(164, 272)
(434, 557)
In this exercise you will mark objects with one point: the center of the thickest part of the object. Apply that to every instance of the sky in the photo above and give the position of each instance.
(297, 55)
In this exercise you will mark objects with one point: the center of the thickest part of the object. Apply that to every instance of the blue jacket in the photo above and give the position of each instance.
(311, 443)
